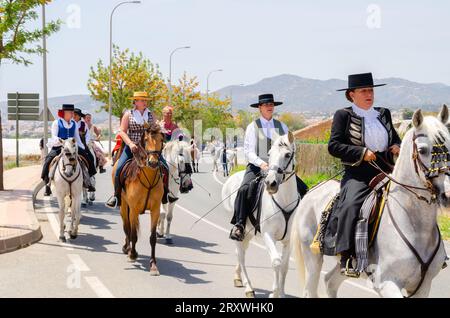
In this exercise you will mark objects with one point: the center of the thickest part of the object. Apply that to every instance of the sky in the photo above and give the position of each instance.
(248, 39)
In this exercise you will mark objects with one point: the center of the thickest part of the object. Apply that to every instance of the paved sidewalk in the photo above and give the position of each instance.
(19, 226)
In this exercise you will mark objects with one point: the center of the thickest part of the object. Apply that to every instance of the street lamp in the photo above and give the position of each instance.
(207, 84)
(110, 68)
(170, 69)
(44, 74)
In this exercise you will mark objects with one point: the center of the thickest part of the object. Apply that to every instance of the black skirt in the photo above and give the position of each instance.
(340, 232)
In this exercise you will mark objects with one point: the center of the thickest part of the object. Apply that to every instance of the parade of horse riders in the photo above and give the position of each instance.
(162, 187)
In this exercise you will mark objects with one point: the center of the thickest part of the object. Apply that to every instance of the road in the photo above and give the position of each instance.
(199, 264)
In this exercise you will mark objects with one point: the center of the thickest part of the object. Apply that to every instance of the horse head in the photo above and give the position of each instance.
(281, 162)
(152, 143)
(69, 156)
(427, 145)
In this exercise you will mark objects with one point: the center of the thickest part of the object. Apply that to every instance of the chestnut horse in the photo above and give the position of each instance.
(143, 191)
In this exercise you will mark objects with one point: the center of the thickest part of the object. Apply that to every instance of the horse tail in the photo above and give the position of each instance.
(296, 245)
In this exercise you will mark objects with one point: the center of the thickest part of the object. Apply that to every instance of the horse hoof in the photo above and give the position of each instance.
(125, 250)
(250, 294)
(154, 272)
(62, 239)
(83, 205)
(73, 236)
(272, 295)
(169, 241)
(132, 257)
(238, 283)
(159, 235)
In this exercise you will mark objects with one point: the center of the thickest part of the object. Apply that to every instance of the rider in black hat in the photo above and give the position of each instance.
(85, 139)
(63, 128)
(258, 141)
(359, 134)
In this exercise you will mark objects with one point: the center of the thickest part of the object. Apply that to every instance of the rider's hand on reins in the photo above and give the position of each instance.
(395, 150)
(369, 156)
(133, 148)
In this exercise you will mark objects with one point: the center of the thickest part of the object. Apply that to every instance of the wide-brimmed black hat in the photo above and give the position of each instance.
(79, 112)
(68, 107)
(360, 81)
(265, 98)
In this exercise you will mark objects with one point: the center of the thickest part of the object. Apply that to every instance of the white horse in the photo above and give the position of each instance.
(408, 225)
(280, 191)
(89, 197)
(68, 185)
(177, 155)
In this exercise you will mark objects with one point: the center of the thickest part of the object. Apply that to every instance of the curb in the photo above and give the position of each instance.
(34, 235)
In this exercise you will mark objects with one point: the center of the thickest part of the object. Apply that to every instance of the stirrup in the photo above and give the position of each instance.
(349, 271)
(116, 201)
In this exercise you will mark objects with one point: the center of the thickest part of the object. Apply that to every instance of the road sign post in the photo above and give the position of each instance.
(22, 107)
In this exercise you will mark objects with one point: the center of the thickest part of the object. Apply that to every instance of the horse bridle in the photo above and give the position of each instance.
(439, 156)
(283, 172)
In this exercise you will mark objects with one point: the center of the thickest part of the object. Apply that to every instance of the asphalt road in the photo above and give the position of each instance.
(200, 263)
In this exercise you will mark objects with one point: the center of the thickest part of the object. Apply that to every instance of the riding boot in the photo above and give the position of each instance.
(87, 179)
(115, 200)
(237, 233)
(48, 190)
(102, 170)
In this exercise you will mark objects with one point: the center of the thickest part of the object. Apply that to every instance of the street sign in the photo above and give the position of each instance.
(22, 107)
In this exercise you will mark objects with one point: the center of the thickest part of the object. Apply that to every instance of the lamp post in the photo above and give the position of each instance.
(170, 69)
(207, 83)
(110, 68)
(44, 73)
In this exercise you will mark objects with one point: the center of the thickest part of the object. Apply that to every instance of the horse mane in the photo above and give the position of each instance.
(133, 168)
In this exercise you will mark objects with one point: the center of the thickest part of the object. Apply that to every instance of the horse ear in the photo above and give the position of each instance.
(443, 115)
(291, 137)
(417, 118)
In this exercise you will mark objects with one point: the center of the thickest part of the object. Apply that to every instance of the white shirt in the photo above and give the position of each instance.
(250, 141)
(140, 118)
(375, 134)
(86, 129)
(54, 140)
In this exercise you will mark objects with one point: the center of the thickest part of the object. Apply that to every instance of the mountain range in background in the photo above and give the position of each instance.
(309, 95)
(299, 95)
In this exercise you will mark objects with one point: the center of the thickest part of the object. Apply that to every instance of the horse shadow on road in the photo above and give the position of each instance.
(192, 243)
(171, 268)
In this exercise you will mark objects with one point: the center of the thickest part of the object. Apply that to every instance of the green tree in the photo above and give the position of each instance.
(130, 72)
(293, 121)
(19, 40)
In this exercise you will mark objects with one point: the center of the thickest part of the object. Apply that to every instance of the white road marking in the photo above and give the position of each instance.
(97, 286)
(217, 179)
(76, 260)
(263, 247)
(93, 281)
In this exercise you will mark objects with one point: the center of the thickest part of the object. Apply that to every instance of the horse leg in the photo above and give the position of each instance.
(134, 227)
(62, 213)
(389, 289)
(154, 222)
(275, 261)
(169, 222)
(76, 217)
(161, 222)
(124, 213)
(333, 280)
(241, 248)
(285, 253)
